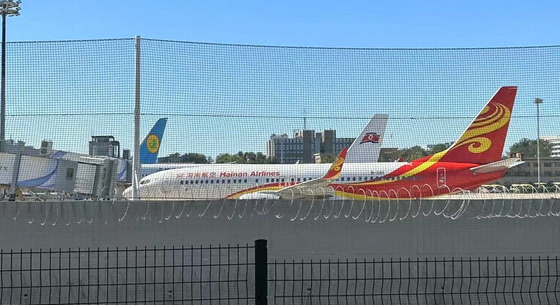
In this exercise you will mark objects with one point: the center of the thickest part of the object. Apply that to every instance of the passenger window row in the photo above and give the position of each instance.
(270, 180)
(217, 181)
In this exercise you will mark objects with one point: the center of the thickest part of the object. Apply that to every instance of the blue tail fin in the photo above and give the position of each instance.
(150, 146)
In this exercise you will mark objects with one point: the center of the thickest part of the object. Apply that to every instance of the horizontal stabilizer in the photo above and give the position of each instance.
(496, 166)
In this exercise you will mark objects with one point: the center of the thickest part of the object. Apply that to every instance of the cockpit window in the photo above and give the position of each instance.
(144, 181)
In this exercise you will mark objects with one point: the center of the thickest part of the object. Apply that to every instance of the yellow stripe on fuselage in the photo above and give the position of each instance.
(415, 171)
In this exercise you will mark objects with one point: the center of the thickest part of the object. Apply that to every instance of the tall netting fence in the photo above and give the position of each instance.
(67, 91)
(230, 98)
(232, 104)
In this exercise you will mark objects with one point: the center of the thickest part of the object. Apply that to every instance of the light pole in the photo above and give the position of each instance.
(7, 8)
(538, 101)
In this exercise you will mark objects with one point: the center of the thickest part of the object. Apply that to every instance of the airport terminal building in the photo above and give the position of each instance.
(528, 171)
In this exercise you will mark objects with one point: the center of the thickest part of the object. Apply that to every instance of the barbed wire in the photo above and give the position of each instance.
(378, 210)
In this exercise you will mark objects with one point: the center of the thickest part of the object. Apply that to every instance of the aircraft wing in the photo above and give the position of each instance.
(311, 188)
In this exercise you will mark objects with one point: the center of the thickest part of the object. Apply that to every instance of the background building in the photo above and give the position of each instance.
(304, 145)
(527, 172)
(554, 143)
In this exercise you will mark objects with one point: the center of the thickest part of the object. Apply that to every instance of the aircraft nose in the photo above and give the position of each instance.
(127, 194)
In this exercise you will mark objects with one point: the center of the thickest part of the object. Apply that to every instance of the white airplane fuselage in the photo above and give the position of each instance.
(148, 169)
(215, 181)
(356, 180)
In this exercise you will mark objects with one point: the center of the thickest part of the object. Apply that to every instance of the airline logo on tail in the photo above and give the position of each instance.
(372, 133)
(152, 143)
(493, 117)
(336, 167)
(370, 137)
(483, 141)
(150, 146)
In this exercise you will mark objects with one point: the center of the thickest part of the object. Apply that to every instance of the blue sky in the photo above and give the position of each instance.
(383, 24)
(341, 24)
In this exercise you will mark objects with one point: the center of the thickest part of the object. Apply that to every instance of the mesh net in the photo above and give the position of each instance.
(66, 91)
(230, 98)
(223, 98)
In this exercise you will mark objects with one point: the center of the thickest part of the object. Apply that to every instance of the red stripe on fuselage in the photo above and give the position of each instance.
(440, 178)
(458, 177)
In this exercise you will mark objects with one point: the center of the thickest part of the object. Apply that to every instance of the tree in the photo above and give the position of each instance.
(438, 148)
(227, 158)
(263, 159)
(194, 158)
(185, 158)
(172, 158)
(328, 158)
(245, 158)
(412, 153)
(250, 157)
(528, 148)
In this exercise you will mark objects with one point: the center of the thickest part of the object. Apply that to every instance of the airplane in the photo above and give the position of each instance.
(364, 149)
(473, 160)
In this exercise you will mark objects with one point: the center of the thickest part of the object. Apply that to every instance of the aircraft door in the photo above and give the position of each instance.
(441, 177)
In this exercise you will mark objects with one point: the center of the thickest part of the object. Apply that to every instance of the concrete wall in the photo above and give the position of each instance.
(293, 232)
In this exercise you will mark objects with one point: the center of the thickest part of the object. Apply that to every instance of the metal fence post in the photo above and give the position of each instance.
(261, 285)
(136, 166)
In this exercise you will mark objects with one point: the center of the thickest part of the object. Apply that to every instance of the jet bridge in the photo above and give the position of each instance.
(97, 177)
(26, 168)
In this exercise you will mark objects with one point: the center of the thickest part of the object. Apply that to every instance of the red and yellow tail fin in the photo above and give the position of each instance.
(336, 167)
(483, 141)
